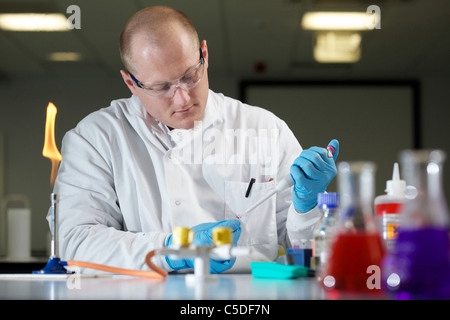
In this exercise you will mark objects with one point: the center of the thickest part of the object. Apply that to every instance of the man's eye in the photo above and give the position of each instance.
(160, 87)
(189, 77)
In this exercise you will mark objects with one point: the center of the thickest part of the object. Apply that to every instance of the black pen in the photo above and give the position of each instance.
(252, 181)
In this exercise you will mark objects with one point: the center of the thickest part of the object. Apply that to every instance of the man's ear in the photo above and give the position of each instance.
(204, 48)
(128, 81)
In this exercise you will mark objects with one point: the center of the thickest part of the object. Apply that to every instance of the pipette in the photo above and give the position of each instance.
(284, 184)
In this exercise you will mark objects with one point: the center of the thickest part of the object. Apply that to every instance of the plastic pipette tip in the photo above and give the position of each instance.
(54, 266)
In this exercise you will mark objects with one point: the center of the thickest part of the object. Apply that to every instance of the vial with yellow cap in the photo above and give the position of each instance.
(182, 237)
(222, 236)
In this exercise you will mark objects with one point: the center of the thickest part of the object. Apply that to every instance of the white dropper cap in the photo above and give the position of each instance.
(396, 187)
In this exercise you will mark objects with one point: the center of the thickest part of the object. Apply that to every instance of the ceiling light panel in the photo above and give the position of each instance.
(33, 22)
(322, 20)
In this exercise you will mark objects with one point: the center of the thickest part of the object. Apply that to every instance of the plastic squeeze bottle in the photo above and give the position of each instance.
(388, 208)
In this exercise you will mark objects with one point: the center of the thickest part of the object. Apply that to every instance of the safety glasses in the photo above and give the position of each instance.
(187, 81)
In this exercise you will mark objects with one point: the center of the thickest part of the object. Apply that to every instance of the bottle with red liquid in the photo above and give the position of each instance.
(419, 265)
(357, 248)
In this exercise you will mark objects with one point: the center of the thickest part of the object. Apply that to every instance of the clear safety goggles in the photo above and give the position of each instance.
(187, 81)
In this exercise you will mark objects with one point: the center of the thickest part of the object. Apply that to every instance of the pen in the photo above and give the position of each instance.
(252, 181)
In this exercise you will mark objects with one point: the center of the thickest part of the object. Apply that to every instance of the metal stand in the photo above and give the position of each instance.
(54, 264)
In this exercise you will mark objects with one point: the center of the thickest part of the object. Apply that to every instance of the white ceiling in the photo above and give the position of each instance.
(413, 40)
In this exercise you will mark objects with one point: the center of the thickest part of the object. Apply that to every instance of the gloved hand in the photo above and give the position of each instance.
(203, 237)
(312, 171)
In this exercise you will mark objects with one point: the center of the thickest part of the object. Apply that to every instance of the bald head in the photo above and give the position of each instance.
(158, 26)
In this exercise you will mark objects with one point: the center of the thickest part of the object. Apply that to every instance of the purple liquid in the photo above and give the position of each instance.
(421, 258)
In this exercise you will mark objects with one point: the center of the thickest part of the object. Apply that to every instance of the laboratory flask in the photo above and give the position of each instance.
(419, 267)
(356, 247)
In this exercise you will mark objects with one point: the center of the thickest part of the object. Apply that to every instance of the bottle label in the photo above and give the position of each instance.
(392, 230)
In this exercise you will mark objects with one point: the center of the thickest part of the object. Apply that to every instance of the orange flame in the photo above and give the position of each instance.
(50, 150)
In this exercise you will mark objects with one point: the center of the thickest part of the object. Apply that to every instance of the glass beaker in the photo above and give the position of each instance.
(419, 266)
(357, 246)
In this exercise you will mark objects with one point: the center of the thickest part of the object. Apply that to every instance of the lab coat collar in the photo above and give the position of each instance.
(210, 117)
(212, 112)
(163, 133)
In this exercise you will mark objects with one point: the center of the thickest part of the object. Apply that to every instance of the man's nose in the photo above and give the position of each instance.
(181, 96)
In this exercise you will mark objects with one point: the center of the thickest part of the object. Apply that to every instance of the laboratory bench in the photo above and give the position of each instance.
(173, 287)
(229, 294)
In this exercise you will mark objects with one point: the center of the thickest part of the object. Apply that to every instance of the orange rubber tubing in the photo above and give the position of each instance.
(157, 272)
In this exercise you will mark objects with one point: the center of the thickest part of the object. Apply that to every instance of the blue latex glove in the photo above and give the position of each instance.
(312, 171)
(203, 237)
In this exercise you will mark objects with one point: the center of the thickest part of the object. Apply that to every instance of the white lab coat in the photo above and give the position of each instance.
(125, 181)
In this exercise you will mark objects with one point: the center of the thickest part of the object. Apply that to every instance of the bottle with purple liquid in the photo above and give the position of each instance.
(419, 265)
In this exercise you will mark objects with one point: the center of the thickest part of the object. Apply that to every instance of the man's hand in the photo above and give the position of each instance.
(312, 171)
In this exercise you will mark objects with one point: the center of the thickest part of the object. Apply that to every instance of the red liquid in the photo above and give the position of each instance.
(351, 255)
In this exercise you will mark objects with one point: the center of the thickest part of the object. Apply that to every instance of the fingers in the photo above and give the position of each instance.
(316, 159)
(203, 232)
(312, 162)
(302, 171)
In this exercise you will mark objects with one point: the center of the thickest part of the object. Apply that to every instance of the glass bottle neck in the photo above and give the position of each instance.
(356, 187)
(425, 203)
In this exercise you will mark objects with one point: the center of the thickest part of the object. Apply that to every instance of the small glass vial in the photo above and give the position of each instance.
(322, 235)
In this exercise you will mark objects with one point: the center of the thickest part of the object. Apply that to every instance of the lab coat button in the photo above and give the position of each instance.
(177, 203)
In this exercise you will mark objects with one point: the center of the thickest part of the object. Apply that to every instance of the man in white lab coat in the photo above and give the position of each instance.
(178, 154)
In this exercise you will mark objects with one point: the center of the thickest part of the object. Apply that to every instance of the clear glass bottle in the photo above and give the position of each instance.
(357, 244)
(419, 266)
(322, 234)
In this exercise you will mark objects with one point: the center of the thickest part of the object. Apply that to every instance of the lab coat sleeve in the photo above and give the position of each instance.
(91, 225)
(301, 225)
